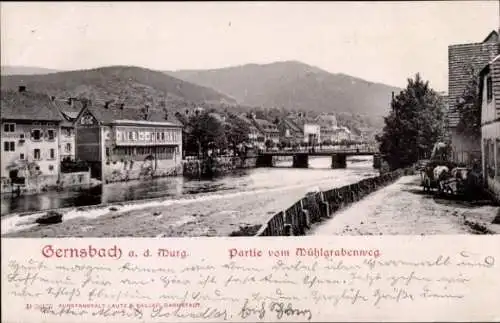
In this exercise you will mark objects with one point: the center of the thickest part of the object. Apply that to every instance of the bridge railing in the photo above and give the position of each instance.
(323, 150)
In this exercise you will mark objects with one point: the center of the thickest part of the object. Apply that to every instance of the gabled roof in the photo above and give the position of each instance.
(266, 126)
(28, 106)
(492, 36)
(116, 112)
(247, 121)
(69, 108)
(291, 125)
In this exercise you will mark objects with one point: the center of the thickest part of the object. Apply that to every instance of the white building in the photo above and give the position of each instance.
(490, 125)
(312, 133)
(30, 138)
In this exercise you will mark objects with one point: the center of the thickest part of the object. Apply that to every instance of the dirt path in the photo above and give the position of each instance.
(403, 208)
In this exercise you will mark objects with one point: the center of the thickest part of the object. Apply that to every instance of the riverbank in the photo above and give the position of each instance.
(403, 208)
(219, 213)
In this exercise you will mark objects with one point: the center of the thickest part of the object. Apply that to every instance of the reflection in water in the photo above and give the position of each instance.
(175, 187)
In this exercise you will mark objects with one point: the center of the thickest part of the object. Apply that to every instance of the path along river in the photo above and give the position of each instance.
(180, 207)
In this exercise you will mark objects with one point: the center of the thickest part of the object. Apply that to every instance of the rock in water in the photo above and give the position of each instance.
(50, 217)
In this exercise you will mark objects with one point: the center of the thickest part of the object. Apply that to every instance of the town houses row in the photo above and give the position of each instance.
(43, 136)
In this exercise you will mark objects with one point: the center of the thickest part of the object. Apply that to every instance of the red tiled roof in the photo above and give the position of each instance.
(28, 106)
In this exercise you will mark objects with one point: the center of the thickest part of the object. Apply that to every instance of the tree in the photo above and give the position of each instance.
(414, 125)
(236, 131)
(269, 143)
(206, 132)
(469, 106)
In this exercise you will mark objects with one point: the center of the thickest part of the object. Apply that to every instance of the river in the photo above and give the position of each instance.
(245, 197)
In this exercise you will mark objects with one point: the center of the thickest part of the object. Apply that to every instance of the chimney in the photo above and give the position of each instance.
(52, 98)
(22, 88)
(85, 102)
(122, 105)
(106, 104)
(166, 115)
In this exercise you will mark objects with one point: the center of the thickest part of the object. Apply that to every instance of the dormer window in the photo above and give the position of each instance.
(489, 88)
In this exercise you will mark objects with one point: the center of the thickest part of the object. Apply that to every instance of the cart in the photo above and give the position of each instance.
(456, 184)
(428, 180)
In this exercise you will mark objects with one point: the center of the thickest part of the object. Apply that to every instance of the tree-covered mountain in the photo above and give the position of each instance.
(128, 84)
(295, 86)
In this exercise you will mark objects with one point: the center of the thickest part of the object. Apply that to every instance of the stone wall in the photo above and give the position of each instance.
(118, 171)
(74, 179)
(217, 166)
(43, 183)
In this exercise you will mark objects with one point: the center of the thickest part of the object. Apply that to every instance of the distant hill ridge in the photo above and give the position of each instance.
(25, 70)
(294, 86)
(128, 84)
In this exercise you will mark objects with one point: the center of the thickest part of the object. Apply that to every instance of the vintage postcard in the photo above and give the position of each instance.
(250, 161)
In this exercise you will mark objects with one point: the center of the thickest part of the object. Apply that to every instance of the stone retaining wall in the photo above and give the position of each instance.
(317, 206)
(216, 166)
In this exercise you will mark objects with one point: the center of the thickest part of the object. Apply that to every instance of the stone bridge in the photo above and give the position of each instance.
(301, 158)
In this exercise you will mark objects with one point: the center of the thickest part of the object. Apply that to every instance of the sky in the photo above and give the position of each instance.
(384, 42)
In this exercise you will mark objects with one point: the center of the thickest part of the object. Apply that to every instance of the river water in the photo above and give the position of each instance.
(257, 179)
(188, 207)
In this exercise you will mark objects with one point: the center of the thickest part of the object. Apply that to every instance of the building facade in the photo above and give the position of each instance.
(30, 126)
(312, 133)
(289, 132)
(69, 109)
(464, 62)
(268, 129)
(490, 125)
(124, 143)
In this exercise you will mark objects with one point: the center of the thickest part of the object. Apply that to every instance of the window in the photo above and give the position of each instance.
(130, 136)
(498, 157)
(489, 89)
(36, 134)
(51, 134)
(52, 153)
(157, 136)
(107, 151)
(51, 167)
(21, 156)
(9, 127)
(67, 148)
(67, 132)
(163, 136)
(36, 154)
(9, 146)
